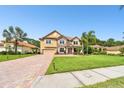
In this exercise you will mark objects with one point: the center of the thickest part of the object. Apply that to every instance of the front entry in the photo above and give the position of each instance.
(69, 50)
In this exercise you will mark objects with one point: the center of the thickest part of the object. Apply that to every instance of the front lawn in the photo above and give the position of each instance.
(73, 63)
(11, 57)
(113, 83)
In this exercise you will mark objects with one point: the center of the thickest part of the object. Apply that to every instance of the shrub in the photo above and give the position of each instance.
(3, 53)
(122, 50)
(78, 50)
(90, 50)
(103, 52)
(11, 52)
(28, 53)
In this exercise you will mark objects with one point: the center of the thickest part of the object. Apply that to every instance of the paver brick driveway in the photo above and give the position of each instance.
(22, 72)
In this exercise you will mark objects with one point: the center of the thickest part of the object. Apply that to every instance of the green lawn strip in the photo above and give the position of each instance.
(113, 83)
(65, 64)
(4, 58)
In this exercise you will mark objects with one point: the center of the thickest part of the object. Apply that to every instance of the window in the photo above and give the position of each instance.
(62, 42)
(62, 50)
(75, 42)
(48, 41)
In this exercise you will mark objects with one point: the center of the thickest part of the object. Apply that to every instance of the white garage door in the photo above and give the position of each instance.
(49, 51)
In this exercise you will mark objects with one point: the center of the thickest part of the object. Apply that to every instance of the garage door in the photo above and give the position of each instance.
(49, 51)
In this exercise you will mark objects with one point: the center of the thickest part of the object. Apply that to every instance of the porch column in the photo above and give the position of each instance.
(72, 50)
(66, 49)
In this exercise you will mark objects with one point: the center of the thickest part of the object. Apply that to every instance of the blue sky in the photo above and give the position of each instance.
(37, 21)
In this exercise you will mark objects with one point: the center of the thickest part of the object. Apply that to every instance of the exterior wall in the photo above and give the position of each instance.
(25, 49)
(65, 42)
(65, 49)
(77, 41)
(113, 52)
(53, 43)
(2, 48)
(41, 46)
(44, 46)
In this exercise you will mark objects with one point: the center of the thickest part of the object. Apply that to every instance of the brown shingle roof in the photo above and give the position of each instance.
(97, 46)
(49, 34)
(69, 38)
(25, 44)
(114, 48)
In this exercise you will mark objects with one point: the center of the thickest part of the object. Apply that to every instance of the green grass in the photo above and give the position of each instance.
(113, 83)
(4, 58)
(65, 64)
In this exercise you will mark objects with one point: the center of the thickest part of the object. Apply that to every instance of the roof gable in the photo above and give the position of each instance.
(76, 38)
(55, 34)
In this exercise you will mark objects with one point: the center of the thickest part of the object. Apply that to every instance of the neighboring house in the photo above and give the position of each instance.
(98, 47)
(109, 50)
(23, 47)
(57, 43)
(2, 47)
(114, 49)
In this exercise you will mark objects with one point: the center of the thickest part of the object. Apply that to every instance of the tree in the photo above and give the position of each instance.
(16, 35)
(122, 50)
(32, 41)
(121, 7)
(8, 37)
(88, 39)
(123, 36)
(110, 42)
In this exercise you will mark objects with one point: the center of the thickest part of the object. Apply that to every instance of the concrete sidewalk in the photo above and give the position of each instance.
(78, 78)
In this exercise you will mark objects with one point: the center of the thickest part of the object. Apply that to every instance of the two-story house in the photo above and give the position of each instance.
(57, 43)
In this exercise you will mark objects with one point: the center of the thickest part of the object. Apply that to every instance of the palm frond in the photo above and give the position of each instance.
(24, 35)
(7, 35)
(121, 7)
(11, 29)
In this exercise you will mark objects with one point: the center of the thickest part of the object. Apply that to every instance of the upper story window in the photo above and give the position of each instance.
(48, 41)
(75, 42)
(62, 42)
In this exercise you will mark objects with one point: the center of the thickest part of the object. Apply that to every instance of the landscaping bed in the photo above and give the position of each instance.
(74, 63)
(12, 57)
(113, 83)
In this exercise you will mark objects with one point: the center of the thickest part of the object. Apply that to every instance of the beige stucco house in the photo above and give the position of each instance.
(2, 47)
(114, 49)
(23, 47)
(57, 43)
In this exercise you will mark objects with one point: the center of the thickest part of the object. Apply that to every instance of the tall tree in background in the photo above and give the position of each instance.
(8, 38)
(88, 38)
(121, 7)
(123, 36)
(16, 34)
(110, 42)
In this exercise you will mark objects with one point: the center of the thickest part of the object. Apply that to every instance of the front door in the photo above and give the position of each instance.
(69, 50)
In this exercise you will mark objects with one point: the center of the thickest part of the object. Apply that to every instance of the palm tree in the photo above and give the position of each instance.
(121, 7)
(16, 34)
(123, 36)
(88, 39)
(8, 38)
